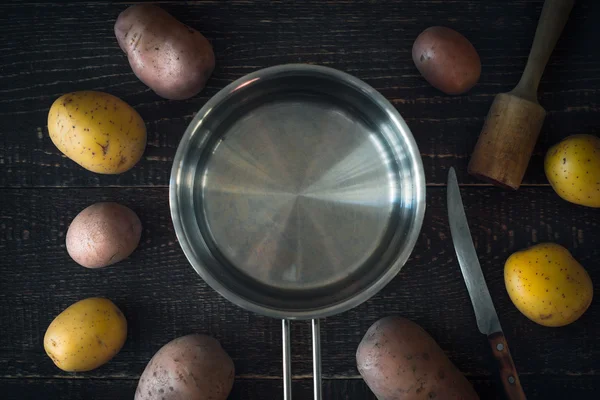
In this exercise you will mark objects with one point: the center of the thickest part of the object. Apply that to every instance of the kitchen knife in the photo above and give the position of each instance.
(487, 319)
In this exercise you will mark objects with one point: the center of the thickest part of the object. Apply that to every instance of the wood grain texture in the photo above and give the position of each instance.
(513, 124)
(507, 140)
(163, 298)
(542, 388)
(49, 50)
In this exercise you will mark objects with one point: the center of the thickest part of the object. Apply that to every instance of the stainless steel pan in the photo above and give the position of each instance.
(297, 192)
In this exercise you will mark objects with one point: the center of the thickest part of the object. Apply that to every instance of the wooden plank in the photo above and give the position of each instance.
(538, 387)
(72, 47)
(163, 298)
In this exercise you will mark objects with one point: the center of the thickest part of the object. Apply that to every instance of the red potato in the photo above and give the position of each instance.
(103, 234)
(171, 58)
(446, 59)
(399, 361)
(192, 367)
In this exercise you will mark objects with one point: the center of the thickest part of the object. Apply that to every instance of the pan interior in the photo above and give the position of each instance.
(300, 193)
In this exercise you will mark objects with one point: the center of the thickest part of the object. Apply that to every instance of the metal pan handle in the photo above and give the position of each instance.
(316, 353)
(287, 362)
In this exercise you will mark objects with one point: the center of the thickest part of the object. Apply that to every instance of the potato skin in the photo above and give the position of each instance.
(171, 58)
(192, 367)
(446, 59)
(103, 234)
(572, 167)
(399, 361)
(548, 285)
(86, 335)
(98, 131)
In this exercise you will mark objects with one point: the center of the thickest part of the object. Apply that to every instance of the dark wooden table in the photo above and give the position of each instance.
(49, 49)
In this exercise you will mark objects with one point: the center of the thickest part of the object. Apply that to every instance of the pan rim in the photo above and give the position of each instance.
(418, 183)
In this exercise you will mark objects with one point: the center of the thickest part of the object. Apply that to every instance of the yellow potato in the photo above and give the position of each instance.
(548, 285)
(86, 335)
(98, 131)
(573, 169)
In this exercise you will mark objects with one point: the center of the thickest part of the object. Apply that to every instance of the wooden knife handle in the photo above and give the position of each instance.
(508, 372)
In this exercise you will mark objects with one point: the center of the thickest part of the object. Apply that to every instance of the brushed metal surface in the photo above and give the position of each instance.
(485, 313)
(297, 192)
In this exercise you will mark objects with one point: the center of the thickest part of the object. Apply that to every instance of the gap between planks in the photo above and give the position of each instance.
(433, 185)
(277, 377)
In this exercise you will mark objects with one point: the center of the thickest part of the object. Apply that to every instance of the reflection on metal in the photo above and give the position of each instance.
(300, 194)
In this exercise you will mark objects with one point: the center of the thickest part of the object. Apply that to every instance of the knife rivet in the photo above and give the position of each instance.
(500, 347)
(511, 379)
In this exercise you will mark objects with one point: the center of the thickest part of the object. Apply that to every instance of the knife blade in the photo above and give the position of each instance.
(485, 313)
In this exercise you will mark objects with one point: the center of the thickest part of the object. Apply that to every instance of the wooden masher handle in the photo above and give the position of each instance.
(550, 25)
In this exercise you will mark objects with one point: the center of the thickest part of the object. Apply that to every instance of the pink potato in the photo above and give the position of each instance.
(103, 234)
(171, 58)
(400, 361)
(446, 59)
(192, 367)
